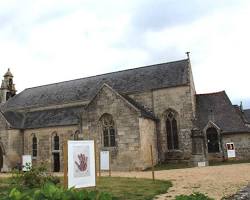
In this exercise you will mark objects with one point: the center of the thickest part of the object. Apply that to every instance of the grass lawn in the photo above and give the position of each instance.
(120, 188)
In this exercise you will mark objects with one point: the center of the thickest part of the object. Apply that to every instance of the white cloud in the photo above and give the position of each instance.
(50, 41)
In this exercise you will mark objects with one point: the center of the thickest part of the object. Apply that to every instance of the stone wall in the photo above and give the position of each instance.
(45, 143)
(3, 133)
(144, 98)
(148, 137)
(14, 150)
(126, 154)
(241, 142)
(11, 143)
(3, 142)
(179, 100)
(192, 90)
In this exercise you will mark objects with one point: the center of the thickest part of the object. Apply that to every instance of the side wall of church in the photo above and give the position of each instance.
(11, 142)
(125, 155)
(144, 98)
(148, 138)
(179, 100)
(241, 143)
(192, 90)
(45, 148)
(3, 132)
(15, 147)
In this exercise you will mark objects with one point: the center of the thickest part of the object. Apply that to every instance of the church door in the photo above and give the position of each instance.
(213, 140)
(1, 158)
(56, 162)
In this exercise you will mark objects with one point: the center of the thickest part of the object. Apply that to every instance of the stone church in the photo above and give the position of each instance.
(124, 112)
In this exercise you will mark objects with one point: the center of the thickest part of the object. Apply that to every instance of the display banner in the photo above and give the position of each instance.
(26, 163)
(230, 150)
(104, 160)
(81, 164)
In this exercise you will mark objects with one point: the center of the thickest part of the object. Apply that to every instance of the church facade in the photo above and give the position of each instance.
(125, 112)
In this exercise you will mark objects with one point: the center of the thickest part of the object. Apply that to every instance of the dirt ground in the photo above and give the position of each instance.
(215, 181)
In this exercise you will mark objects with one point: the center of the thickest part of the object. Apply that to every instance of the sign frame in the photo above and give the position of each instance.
(26, 159)
(81, 164)
(105, 166)
(230, 150)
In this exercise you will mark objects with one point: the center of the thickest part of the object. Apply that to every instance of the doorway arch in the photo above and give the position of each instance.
(1, 156)
(213, 141)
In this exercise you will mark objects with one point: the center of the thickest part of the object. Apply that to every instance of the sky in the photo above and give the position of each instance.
(48, 41)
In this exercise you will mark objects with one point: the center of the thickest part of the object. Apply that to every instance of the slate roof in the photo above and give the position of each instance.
(218, 108)
(247, 115)
(53, 117)
(15, 119)
(145, 112)
(125, 82)
(44, 118)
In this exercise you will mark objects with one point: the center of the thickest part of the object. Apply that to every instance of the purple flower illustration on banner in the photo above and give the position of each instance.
(82, 163)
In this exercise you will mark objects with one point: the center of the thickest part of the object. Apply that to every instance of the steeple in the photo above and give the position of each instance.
(8, 74)
(7, 89)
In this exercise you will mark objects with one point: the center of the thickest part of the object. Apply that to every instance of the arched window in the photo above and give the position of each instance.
(212, 140)
(8, 95)
(76, 135)
(56, 142)
(108, 130)
(34, 146)
(172, 131)
(10, 83)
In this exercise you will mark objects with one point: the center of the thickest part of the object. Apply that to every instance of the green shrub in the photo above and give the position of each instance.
(194, 196)
(34, 178)
(50, 191)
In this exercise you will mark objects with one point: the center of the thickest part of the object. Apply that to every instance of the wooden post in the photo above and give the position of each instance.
(152, 163)
(65, 164)
(99, 163)
(109, 163)
(95, 163)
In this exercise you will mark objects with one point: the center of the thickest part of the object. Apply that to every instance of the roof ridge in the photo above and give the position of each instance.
(152, 65)
(210, 93)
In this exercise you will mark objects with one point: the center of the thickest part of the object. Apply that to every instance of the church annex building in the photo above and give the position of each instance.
(125, 112)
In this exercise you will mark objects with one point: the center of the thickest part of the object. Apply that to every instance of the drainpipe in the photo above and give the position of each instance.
(222, 147)
(22, 133)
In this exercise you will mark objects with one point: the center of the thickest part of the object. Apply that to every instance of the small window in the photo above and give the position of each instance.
(34, 146)
(76, 135)
(8, 95)
(10, 82)
(108, 130)
(56, 142)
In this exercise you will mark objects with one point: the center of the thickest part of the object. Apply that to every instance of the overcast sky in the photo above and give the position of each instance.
(49, 41)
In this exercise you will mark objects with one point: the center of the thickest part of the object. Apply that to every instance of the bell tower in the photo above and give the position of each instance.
(7, 89)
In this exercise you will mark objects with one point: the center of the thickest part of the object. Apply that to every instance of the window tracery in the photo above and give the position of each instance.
(34, 146)
(108, 130)
(172, 130)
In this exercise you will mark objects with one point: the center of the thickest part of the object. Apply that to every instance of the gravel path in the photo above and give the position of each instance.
(215, 181)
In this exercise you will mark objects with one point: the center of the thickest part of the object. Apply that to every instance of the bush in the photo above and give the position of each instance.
(50, 191)
(194, 196)
(34, 178)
